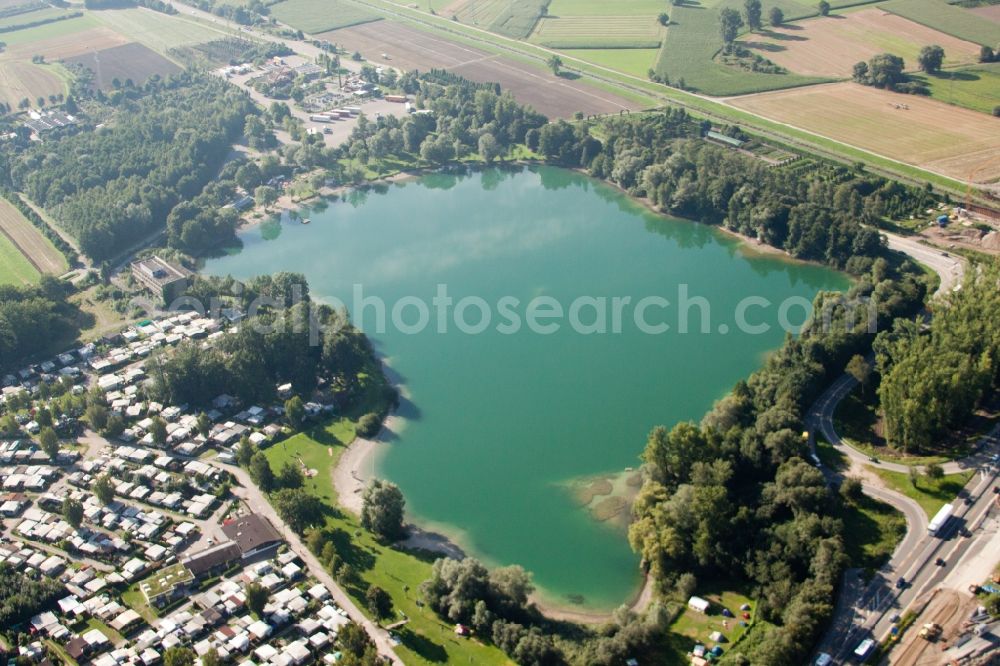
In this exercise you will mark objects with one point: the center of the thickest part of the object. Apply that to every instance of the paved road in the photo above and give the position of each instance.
(249, 492)
(950, 269)
(869, 613)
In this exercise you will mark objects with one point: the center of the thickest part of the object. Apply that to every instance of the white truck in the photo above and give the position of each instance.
(939, 520)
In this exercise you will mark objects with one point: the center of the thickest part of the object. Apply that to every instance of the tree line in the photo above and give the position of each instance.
(113, 186)
(814, 212)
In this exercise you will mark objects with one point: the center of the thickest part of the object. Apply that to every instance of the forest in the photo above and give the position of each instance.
(934, 377)
(33, 319)
(114, 186)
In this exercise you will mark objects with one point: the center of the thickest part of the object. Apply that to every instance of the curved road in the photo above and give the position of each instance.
(911, 560)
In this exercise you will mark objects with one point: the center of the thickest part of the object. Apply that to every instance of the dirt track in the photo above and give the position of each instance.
(948, 608)
(410, 48)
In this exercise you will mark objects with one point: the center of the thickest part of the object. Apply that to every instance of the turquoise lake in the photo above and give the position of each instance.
(499, 422)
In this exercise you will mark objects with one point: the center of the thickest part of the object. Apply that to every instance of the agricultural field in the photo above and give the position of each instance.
(636, 62)
(159, 32)
(60, 47)
(604, 32)
(21, 79)
(410, 48)
(692, 42)
(976, 88)
(938, 14)
(29, 37)
(37, 250)
(128, 61)
(827, 46)
(650, 8)
(991, 12)
(513, 19)
(14, 267)
(36, 16)
(908, 128)
(316, 16)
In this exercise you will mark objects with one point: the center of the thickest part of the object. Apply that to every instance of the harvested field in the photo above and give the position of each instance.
(20, 79)
(992, 12)
(128, 61)
(597, 32)
(62, 47)
(410, 48)
(928, 134)
(35, 247)
(830, 47)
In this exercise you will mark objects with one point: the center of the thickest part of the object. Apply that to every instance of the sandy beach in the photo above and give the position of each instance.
(357, 464)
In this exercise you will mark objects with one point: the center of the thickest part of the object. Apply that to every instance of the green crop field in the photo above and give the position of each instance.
(689, 51)
(947, 18)
(316, 16)
(631, 61)
(513, 19)
(14, 267)
(159, 32)
(598, 32)
(48, 31)
(47, 14)
(650, 8)
(976, 88)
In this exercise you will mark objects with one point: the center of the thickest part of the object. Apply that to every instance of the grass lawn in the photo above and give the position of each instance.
(98, 317)
(976, 88)
(874, 527)
(113, 636)
(133, 598)
(692, 627)
(631, 61)
(930, 494)
(315, 16)
(947, 18)
(14, 267)
(425, 638)
(873, 530)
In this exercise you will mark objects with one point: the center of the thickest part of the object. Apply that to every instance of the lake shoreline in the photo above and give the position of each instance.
(285, 204)
(358, 462)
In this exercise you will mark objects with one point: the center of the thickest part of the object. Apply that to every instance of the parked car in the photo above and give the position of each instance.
(900, 583)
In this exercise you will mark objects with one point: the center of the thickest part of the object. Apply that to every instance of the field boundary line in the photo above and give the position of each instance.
(31, 260)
